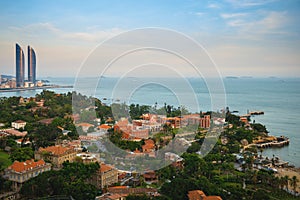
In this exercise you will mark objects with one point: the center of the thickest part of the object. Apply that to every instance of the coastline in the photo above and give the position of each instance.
(34, 88)
(290, 172)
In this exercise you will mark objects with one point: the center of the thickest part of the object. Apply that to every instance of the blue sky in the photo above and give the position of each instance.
(243, 37)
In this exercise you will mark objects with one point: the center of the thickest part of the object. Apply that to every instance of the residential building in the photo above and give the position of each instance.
(88, 158)
(205, 121)
(18, 124)
(149, 146)
(56, 155)
(85, 126)
(20, 172)
(11, 131)
(200, 195)
(123, 190)
(150, 177)
(130, 131)
(107, 175)
(103, 128)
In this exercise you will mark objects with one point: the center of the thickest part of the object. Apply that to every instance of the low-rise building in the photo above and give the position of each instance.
(149, 146)
(20, 172)
(18, 124)
(56, 155)
(85, 126)
(88, 158)
(205, 121)
(106, 175)
(14, 132)
(124, 190)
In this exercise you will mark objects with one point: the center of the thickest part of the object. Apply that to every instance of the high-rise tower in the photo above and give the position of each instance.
(31, 65)
(20, 66)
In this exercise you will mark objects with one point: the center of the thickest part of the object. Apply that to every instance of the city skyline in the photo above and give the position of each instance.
(244, 38)
(20, 66)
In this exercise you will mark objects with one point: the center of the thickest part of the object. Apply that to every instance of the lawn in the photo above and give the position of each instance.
(4, 160)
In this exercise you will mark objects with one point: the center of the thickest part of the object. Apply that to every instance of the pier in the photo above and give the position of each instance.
(281, 141)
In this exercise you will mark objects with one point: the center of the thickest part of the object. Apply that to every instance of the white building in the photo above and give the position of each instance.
(18, 124)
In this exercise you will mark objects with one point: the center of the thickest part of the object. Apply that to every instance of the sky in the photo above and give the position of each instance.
(258, 38)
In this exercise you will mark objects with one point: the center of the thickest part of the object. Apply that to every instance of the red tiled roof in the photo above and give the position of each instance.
(105, 168)
(200, 195)
(149, 145)
(46, 121)
(55, 150)
(14, 132)
(212, 198)
(104, 126)
(85, 124)
(196, 195)
(20, 121)
(27, 165)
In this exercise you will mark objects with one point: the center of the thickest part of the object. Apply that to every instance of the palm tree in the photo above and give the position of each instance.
(294, 182)
(261, 151)
(254, 177)
(286, 181)
(281, 183)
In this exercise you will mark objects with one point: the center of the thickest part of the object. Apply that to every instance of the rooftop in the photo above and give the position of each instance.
(19, 121)
(55, 150)
(104, 126)
(27, 165)
(85, 124)
(105, 168)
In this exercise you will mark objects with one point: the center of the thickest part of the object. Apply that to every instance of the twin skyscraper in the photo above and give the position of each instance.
(20, 66)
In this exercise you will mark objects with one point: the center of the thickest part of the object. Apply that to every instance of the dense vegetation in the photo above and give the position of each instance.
(72, 180)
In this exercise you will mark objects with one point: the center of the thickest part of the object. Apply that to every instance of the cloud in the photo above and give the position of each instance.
(39, 30)
(233, 15)
(213, 5)
(248, 3)
(258, 24)
(199, 13)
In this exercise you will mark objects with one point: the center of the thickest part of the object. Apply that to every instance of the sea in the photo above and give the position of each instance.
(279, 98)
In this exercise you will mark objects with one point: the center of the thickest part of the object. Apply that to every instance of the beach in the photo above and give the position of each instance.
(290, 172)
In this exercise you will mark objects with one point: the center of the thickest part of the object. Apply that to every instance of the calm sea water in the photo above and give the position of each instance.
(279, 98)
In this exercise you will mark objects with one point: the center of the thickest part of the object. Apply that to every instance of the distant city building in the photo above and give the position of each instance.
(20, 66)
(31, 65)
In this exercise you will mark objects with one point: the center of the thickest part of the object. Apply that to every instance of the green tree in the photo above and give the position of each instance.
(21, 154)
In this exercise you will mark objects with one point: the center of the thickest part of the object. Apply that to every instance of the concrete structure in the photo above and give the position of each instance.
(20, 172)
(56, 155)
(20, 66)
(31, 65)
